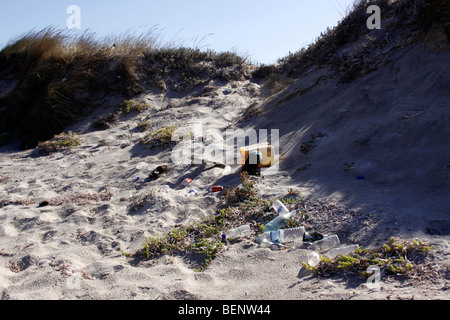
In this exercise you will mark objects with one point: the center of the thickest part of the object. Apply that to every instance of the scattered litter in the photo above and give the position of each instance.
(311, 237)
(360, 178)
(215, 188)
(226, 170)
(43, 204)
(333, 253)
(326, 243)
(59, 156)
(313, 258)
(141, 166)
(193, 192)
(279, 221)
(158, 172)
(185, 182)
(227, 90)
(282, 235)
(237, 232)
(257, 156)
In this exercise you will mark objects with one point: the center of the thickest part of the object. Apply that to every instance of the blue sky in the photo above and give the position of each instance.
(263, 30)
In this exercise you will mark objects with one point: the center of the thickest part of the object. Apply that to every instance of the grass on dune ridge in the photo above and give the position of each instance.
(57, 76)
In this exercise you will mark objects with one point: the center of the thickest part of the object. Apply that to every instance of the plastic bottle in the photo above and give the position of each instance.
(237, 232)
(300, 244)
(325, 244)
(282, 235)
(192, 193)
(279, 207)
(341, 250)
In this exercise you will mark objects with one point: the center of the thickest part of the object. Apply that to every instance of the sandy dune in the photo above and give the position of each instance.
(390, 127)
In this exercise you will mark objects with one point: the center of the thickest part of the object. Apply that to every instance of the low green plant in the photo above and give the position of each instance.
(159, 138)
(245, 191)
(396, 257)
(204, 237)
(143, 125)
(60, 142)
(129, 106)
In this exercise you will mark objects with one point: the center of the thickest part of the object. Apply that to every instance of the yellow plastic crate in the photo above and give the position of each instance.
(267, 152)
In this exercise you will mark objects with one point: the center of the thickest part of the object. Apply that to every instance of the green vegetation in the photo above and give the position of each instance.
(60, 142)
(394, 258)
(61, 77)
(204, 238)
(368, 55)
(241, 193)
(159, 138)
(129, 106)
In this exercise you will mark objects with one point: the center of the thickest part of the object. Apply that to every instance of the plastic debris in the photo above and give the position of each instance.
(237, 232)
(279, 221)
(193, 192)
(341, 250)
(325, 244)
(282, 235)
(313, 258)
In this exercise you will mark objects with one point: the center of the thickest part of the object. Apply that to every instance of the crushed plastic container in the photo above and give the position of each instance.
(237, 232)
(325, 244)
(313, 259)
(282, 235)
(333, 253)
(141, 166)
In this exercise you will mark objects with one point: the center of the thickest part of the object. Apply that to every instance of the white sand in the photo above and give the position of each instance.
(72, 250)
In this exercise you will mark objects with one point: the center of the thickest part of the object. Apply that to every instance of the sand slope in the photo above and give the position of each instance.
(71, 249)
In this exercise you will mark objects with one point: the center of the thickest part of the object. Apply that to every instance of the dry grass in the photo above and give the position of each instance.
(60, 142)
(61, 77)
(405, 20)
(106, 121)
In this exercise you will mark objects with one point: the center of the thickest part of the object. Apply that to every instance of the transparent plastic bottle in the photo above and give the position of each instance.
(278, 222)
(325, 244)
(279, 207)
(300, 244)
(341, 250)
(282, 235)
(237, 232)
